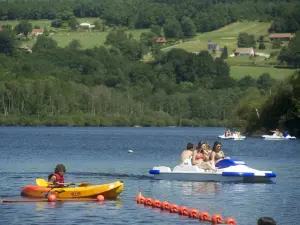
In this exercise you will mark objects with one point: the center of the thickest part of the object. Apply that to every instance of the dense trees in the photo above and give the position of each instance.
(278, 108)
(245, 40)
(291, 54)
(205, 15)
(110, 85)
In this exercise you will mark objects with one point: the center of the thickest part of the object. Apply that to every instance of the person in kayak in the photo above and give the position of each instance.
(187, 154)
(57, 178)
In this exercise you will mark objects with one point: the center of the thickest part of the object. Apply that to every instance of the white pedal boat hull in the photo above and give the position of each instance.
(275, 137)
(231, 171)
(232, 137)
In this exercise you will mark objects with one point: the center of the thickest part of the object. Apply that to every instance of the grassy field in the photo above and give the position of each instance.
(88, 39)
(243, 65)
(63, 37)
(224, 36)
(237, 72)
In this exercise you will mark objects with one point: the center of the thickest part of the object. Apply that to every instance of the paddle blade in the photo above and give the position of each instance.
(41, 182)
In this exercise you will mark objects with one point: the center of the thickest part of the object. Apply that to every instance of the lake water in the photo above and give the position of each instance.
(100, 155)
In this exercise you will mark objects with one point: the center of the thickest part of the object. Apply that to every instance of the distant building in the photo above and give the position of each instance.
(214, 47)
(161, 40)
(37, 32)
(86, 25)
(244, 52)
(281, 36)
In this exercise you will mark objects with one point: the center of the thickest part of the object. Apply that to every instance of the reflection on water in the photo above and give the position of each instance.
(200, 188)
(116, 204)
(190, 188)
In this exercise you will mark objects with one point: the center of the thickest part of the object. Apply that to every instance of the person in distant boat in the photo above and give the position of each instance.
(200, 158)
(266, 221)
(277, 132)
(217, 153)
(187, 154)
(57, 178)
(227, 133)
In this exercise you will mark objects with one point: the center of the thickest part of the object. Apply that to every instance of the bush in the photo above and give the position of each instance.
(261, 46)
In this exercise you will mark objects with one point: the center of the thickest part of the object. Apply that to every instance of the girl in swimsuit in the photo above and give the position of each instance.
(201, 158)
(217, 153)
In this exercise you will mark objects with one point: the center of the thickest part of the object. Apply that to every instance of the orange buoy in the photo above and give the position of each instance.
(140, 200)
(184, 211)
(52, 198)
(139, 195)
(194, 213)
(230, 221)
(204, 216)
(217, 219)
(156, 204)
(148, 201)
(174, 208)
(165, 206)
(100, 198)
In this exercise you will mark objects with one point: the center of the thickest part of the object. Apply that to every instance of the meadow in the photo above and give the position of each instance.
(225, 36)
(238, 72)
(88, 39)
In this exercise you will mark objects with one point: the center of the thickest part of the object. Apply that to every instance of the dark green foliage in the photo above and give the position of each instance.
(156, 30)
(276, 44)
(265, 81)
(188, 27)
(261, 45)
(24, 27)
(172, 28)
(281, 110)
(245, 40)
(291, 54)
(224, 54)
(7, 42)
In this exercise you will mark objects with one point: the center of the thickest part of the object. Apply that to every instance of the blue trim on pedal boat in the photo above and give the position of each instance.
(154, 171)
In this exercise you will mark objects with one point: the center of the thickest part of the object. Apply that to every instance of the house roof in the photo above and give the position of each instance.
(244, 50)
(161, 39)
(34, 31)
(281, 35)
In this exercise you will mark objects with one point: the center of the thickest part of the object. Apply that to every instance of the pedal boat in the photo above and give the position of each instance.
(228, 171)
(232, 137)
(276, 137)
(109, 191)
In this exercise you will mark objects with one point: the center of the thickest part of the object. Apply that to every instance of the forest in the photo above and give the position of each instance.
(112, 86)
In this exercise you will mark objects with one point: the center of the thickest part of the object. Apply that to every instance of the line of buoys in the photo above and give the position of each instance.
(184, 211)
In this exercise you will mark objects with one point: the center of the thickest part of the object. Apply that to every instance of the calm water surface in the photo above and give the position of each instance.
(100, 155)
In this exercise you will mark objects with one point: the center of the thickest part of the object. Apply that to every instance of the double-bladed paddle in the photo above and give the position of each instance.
(43, 183)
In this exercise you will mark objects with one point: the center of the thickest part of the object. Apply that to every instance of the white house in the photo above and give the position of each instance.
(37, 31)
(244, 52)
(86, 25)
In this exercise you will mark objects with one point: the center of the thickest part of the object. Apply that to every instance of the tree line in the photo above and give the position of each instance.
(182, 17)
(111, 85)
